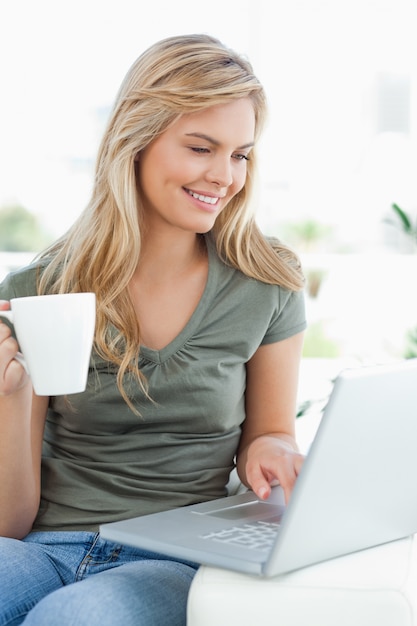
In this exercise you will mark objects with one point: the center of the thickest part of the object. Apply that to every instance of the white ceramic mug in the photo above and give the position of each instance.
(55, 335)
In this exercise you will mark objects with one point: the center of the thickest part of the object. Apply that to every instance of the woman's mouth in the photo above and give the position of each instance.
(198, 196)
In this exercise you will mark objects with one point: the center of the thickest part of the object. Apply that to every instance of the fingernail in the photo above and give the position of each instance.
(262, 492)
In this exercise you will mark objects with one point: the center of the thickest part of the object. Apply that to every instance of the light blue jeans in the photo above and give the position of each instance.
(79, 579)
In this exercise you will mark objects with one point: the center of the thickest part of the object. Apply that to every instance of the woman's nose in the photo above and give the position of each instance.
(220, 172)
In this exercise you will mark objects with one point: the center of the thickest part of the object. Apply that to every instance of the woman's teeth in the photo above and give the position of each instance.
(208, 199)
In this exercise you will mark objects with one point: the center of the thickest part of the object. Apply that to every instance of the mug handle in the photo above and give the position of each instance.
(19, 356)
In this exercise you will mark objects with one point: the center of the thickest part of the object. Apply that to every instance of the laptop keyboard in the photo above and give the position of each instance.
(255, 535)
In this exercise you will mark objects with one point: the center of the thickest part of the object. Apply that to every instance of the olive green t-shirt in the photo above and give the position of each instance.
(101, 462)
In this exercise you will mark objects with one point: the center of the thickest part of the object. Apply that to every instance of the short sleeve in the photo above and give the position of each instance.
(7, 291)
(20, 283)
(289, 317)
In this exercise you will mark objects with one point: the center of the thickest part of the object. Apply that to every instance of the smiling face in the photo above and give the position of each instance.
(188, 174)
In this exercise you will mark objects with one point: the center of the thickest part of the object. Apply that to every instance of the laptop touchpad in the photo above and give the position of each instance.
(250, 510)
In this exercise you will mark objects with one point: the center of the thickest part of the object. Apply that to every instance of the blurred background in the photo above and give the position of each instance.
(338, 159)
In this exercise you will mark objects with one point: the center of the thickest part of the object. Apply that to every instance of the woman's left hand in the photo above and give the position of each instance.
(268, 451)
(271, 460)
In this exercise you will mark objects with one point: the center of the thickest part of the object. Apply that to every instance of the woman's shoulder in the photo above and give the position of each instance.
(228, 283)
(268, 264)
(23, 281)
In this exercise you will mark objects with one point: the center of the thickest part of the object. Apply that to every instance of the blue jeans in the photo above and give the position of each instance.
(79, 579)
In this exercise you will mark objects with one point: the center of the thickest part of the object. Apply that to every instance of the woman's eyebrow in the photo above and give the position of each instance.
(215, 142)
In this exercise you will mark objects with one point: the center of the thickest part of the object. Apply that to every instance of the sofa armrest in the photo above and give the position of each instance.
(374, 587)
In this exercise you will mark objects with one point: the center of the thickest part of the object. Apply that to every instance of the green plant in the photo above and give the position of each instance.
(411, 344)
(20, 230)
(308, 234)
(314, 280)
(403, 221)
(318, 344)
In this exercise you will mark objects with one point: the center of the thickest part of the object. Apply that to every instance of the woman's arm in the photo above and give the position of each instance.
(22, 420)
(268, 451)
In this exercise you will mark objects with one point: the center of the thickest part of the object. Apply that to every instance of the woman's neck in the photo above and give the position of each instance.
(167, 286)
(163, 257)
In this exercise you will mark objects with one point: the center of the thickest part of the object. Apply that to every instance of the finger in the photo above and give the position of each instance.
(12, 374)
(299, 462)
(14, 378)
(259, 482)
(261, 478)
(283, 469)
(4, 305)
(289, 474)
(9, 347)
(5, 332)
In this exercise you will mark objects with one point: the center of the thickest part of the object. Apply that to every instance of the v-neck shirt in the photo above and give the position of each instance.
(101, 462)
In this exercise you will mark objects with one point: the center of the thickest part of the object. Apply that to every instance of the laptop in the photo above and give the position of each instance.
(357, 489)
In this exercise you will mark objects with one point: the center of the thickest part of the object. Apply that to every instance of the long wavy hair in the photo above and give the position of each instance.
(100, 252)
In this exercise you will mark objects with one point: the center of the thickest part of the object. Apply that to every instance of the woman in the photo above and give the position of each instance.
(197, 347)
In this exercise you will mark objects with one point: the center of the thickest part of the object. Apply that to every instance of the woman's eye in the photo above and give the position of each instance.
(199, 150)
(241, 157)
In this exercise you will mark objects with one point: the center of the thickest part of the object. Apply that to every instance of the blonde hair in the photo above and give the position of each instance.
(100, 252)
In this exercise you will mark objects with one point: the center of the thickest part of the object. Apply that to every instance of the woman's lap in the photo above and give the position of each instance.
(26, 576)
(113, 584)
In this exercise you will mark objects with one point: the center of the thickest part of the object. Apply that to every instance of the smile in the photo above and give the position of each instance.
(207, 199)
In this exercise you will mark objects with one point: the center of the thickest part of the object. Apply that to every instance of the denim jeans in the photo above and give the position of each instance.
(77, 578)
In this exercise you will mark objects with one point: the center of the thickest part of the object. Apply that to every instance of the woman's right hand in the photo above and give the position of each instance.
(22, 420)
(13, 376)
